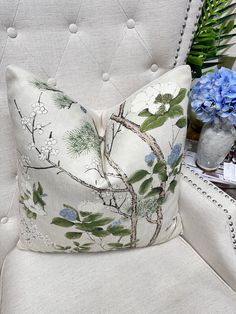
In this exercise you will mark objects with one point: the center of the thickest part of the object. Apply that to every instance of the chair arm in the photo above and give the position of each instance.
(9, 231)
(209, 223)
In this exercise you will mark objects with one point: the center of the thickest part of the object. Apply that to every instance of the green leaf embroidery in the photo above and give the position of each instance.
(181, 123)
(153, 122)
(145, 113)
(100, 233)
(172, 186)
(154, 192)
(37, 199)
(160, 166)
(177, 162)
(92, 217)
(84, 214)
(145, 186)
(179, 98)
(163, 176)
(118, 231)
(175, 111)
(62, 222)
(73, 235)
(138, 175)
(116, 245)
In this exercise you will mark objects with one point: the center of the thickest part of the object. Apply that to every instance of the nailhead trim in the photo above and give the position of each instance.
(182, 32)
(214, 201)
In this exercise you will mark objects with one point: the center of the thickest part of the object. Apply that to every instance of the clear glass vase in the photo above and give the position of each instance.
(215, 141)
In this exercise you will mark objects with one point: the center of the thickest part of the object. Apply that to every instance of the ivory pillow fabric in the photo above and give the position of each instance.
(98, 180)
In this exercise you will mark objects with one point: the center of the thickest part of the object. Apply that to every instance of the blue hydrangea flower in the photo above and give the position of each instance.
(213, 96)
(149, 159)
(115, 223)
(174, 155)
(69, 214)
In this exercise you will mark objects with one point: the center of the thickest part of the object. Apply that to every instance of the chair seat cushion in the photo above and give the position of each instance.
(169, 279)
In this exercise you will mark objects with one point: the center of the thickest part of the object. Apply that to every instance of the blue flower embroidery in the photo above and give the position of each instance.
(149, 159)
(174, 155)
(69, 214)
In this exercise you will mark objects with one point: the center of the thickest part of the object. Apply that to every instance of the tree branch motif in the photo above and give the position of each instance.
(149, 140)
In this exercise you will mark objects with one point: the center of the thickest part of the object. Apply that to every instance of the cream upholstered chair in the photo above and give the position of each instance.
(102, 51)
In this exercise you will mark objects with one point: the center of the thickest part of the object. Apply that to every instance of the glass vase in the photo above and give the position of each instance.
(216, 139)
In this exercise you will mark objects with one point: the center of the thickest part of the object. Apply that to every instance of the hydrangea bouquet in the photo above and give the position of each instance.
(213, 99)
(213, 96)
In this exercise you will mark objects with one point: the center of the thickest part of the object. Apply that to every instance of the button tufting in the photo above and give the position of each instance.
(16, 177)
(154, 67)
(130, 23)
(73, 28)
(52, 81)
(4, 220)
(105, 77)
(11, 31)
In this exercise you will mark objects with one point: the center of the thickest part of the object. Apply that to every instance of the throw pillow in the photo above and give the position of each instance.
(98, 180)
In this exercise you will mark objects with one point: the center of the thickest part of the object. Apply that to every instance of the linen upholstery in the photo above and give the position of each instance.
(35, 35)
(170, 278)
(209, 220)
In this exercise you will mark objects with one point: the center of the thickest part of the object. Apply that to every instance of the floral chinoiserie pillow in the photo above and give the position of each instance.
(98, 180)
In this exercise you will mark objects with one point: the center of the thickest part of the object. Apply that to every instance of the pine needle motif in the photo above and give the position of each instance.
(44, 86)
(62, 101)
(82, 140)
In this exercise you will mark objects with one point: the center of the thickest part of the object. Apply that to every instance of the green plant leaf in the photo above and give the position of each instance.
(145, 186)
(179, 98)
(159, 166)
(138, 175)
(175, 111)
(172, 186)
(181, 123)
(154, 192)
(152, 123)
(73, 235)
(62, 222)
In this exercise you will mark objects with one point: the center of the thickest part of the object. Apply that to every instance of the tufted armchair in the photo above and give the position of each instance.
(105, 50)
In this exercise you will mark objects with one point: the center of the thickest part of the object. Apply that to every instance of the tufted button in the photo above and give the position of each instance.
(105, 77)
(16, 177)
(130, 23)
(73, 28)
(154, 67)
(12, 32)
(4, 220)
(52, 81)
